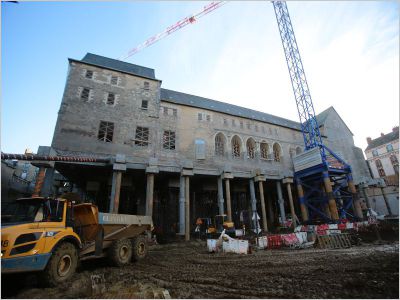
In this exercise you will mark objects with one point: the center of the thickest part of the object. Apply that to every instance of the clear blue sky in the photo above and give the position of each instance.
(350, 52)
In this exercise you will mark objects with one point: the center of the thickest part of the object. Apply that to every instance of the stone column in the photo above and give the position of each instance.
(356, 198)
(228, 200)
(39, 182)
(281, 201)
(331, 199)
(115, 191)
(187, 209)
(260, 178)
(182, 205)
(118, 167)
(220, 196)
(288, 181)
(303, 207)
(325, 205)
(149, 194)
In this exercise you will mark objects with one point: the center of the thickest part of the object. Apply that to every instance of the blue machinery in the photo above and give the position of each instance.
(324, 181)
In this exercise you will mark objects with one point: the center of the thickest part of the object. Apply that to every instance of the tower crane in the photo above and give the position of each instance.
(324, 180)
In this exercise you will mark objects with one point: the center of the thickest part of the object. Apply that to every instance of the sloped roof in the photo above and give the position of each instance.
(234, 110)
(382, 140)
(322, 116)
(117, 65)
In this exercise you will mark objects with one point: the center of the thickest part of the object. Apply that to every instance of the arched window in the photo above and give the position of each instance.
(379, 166)
(236, 145)
(251, 148)
(395, 163)
(220, 144)
(298, 150)
(264, 150)
(276, 148)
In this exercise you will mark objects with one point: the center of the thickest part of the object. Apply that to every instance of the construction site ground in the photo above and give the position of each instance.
(187, 270)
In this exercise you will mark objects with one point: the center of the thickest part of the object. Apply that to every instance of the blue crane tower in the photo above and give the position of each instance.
(324, 181)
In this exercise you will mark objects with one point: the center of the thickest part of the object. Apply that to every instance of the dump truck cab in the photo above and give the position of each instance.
(33, 231)
(52, 235)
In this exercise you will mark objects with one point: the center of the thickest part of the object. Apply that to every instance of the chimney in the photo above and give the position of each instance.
(369, 140)
(394, 129)
(382, 134)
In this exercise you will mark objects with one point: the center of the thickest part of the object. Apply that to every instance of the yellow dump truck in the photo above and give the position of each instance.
(53, 235)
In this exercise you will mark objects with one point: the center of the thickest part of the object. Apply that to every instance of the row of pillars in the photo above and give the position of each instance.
(184, 201)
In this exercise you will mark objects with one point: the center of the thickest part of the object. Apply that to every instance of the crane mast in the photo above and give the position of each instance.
(305, 108)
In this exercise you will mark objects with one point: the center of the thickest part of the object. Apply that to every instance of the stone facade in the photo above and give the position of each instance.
(172, 141)
(383, 156)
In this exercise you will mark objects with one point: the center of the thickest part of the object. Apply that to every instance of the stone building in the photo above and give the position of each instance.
(170, 147)
(383, 156)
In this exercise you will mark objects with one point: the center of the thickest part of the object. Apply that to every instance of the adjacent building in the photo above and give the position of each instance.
(169, 147)
(383, 156)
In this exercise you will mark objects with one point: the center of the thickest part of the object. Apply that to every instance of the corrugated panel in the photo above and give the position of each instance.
(307, 159)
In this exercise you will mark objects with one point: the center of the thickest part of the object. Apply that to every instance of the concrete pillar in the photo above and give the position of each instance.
(365, 193)
(386, 201)
(228, 199)
(220, 196)
(356, 198)
(263, 210)
(253, 202)
(292, 212)
(39, 182)
(187, 209)
(149, 194)
(326, 205)
(280, 201)
(182, 205)
(331, 199)
(303, 208)
(115, 191)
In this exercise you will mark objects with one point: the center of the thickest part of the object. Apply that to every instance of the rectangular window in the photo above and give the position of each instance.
(146, 86)
(145, 104)
(241, 124)
(199, 116)
(142, 136)
(114, 80)
(89, 74)
(165, 111)
(85, 94)
(225, 122)
(106, 131)
(389, 148)
(175, 112)
(169, 140)
(200, 146)
(111, 99)
(208, 117)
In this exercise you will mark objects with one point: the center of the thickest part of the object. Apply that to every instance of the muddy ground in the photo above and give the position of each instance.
(187, 270)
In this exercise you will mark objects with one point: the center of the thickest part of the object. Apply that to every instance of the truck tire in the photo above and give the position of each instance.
(62, 264)
(120, 252)
(139, 248)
